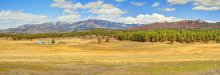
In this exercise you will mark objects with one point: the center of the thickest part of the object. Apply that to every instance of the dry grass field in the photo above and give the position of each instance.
(86, 57)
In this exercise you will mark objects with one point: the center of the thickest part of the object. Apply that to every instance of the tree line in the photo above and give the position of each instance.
(78, 34)
(172, 35)
(152, 35)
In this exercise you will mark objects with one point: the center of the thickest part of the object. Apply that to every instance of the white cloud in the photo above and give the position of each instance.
(66, 4)
(146, 19)
(103, 11)
(211, 21)
(119, 0)
(101, 8)
(179, 1)
(139, 19)
(167, 9)
(69, 15)
(69, 18)
(138, 3)
(156, 4)
(207, 5)
(70, 10)
(103, 17)
(205, 8)
(11, 19)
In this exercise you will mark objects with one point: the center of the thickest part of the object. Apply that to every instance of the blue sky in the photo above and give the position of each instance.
(14, 13)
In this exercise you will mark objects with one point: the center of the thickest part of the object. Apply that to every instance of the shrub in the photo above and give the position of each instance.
(99, 39)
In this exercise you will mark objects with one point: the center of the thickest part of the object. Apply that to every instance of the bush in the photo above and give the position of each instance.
(107, 39)
(99, 39)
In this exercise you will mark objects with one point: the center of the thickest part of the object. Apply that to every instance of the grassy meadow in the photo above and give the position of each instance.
(86, 57)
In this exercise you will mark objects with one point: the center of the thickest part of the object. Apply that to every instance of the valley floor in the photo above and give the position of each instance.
(86, 57)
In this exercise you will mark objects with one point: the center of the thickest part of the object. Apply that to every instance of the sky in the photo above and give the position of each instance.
(14, 13)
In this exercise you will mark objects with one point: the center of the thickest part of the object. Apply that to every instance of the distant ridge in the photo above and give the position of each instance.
(50, 27)
(185, 24)
(68, 26)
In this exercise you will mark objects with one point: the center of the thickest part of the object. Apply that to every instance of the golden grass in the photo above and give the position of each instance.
(85, 56)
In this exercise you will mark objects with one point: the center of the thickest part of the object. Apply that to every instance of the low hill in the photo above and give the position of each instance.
(185, 24)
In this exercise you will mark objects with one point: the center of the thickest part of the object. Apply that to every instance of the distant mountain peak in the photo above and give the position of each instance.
(63, 26)
(200, 21)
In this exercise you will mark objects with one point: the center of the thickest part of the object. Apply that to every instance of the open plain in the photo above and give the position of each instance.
(85, 57)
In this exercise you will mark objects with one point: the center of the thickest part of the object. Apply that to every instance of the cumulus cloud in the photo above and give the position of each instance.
(66, 4)
(156, 4)
(206, 8)
(11, 19)
(103, 17)
(119, 0)
(139, 19)
(146, 19)
(68, 18)
(103, 11)
(69, 15)
(199, 4)
(70, 12)
(101, 8)
(98, 8)
(138, 3)
(211, 21)
(167, 9)
(179, 1)
(207, 5)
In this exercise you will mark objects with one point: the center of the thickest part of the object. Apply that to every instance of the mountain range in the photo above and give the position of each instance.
(68, 26)
(95, 23)
(185, 24)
